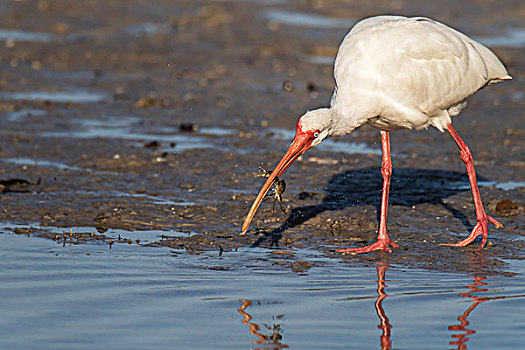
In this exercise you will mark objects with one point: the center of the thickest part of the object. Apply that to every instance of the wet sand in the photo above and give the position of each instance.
(135, 116)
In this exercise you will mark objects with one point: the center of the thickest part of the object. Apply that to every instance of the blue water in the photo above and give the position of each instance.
(327, 145)
(124, 128)
(301, 19)
(87, 296)
(56, 96)
(21, 35)
(513, 37)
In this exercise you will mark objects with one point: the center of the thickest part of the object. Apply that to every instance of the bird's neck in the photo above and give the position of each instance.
(342, 124)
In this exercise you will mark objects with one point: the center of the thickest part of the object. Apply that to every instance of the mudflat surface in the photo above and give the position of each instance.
(139, 116)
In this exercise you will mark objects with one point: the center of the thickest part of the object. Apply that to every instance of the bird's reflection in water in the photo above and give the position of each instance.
(460, 340)
(384, 324)
(272, 341)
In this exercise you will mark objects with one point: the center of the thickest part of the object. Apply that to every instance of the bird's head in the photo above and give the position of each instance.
(312, 128)
(316, 123)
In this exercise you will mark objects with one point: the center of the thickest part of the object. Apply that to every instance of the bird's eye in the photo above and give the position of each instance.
(316, 134)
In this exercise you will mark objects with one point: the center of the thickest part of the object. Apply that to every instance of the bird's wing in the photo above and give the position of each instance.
(414, 64)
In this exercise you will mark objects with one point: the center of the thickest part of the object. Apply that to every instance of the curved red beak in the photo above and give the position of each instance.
(299, 145)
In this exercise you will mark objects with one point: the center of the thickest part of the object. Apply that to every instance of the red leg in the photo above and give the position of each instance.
(481, 226)
(385, 325)
(383, 241)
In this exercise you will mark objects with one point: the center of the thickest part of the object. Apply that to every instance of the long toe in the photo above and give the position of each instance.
(479, 229)
(495, 222)
(379, 245)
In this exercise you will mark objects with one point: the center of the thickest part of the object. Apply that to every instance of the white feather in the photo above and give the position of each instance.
(397, 72)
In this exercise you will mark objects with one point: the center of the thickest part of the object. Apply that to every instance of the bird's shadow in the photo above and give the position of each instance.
(361, 187)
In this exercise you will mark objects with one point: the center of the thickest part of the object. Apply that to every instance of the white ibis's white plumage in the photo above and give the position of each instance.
(395, 72)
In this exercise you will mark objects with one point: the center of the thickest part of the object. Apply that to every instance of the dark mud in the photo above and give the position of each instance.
(133, 115)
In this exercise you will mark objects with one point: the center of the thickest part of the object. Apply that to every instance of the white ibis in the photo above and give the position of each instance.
(394, 72)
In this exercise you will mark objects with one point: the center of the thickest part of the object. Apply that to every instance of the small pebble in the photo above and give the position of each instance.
(188, 127)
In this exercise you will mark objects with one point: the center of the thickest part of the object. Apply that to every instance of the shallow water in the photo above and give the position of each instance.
(56, 96)
(323, 60)
(22, 35)
(17, 116)
(513, 37)
(123, 127)
(327, 145)
(147, 28)
(39, 163)
(89, 296)
(505, 186)
(301, 19)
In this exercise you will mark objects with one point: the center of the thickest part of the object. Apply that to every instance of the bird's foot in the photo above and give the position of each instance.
(382, 244)
(481, 228)
(495, 222)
